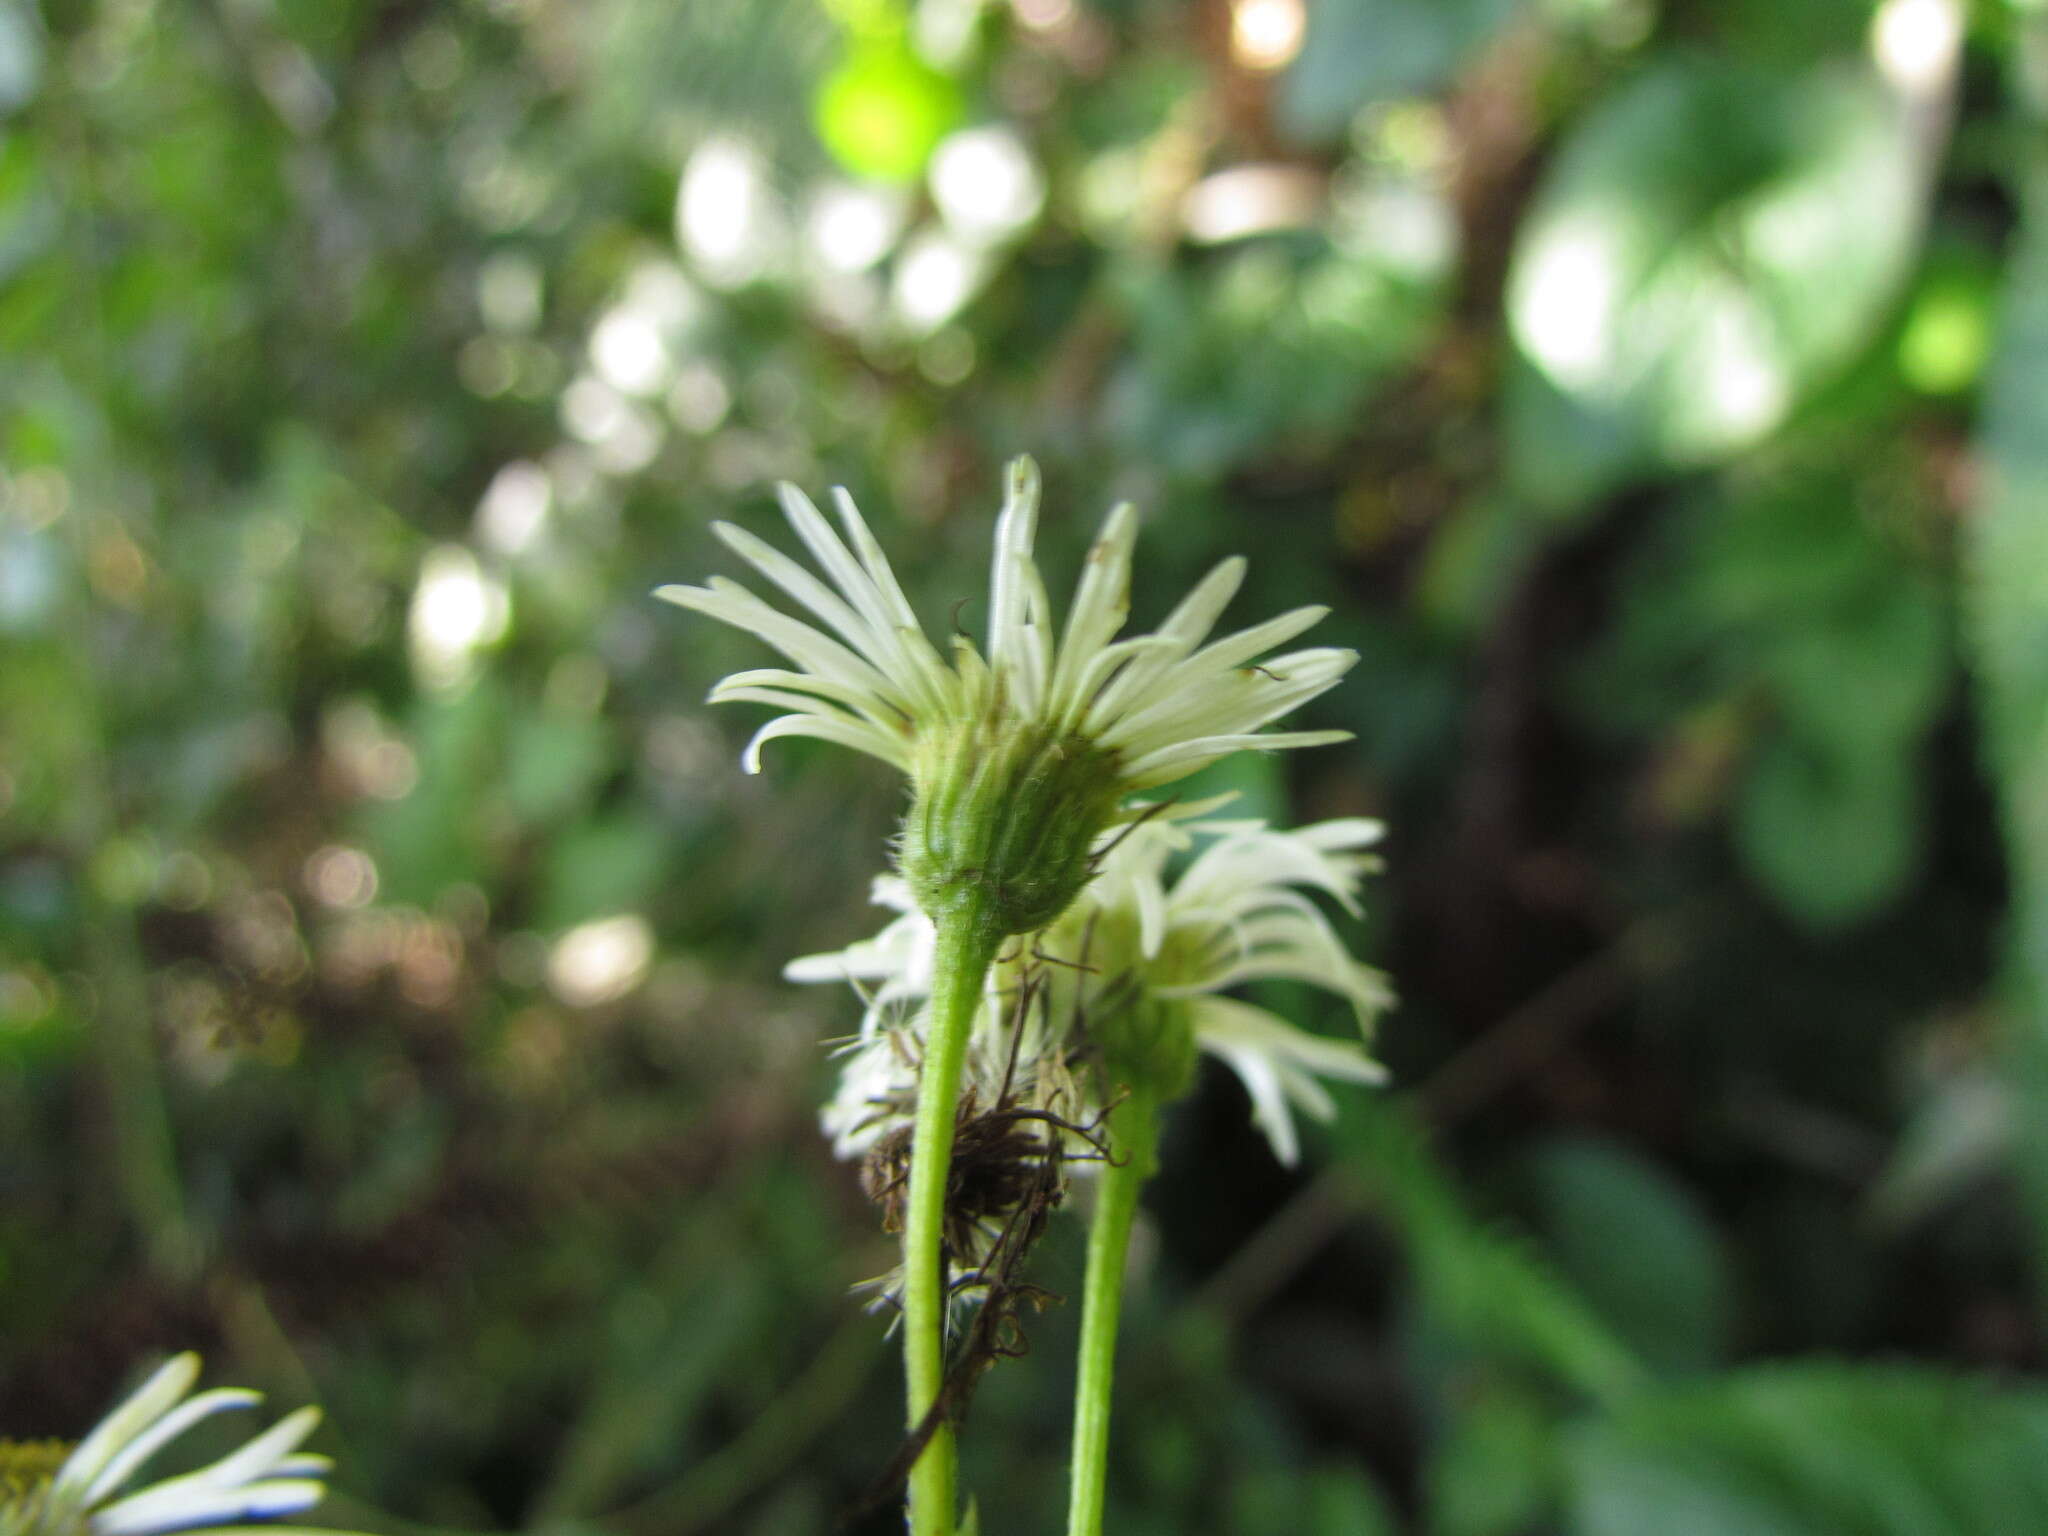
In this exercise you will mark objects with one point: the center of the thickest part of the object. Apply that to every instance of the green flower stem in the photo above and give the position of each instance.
(1135, 1124)
(966, 948)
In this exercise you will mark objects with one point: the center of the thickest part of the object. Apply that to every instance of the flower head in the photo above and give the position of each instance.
(83, 1496)
(1012, 1144)
(1134, 977)
(1020, 757)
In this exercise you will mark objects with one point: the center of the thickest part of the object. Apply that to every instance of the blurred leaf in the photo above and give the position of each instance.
(1710, 244)
(1866, 674)
(601, 867)
(1273, 343)
(1495, 1470)
(1344, 1502)
(1474, 558)
(1770, 552)
(2008, 576)
(1794, 609)
(29, 221)
(1957, 1135)
(1805, 34)
(1563, 453)
(429, 839)
(670, 1337)
(1490, 1292)
(1333, 1501)
(21, 54)
(1832, 833)
(1358, 52)
(555, 760)
(1816, 1450)
(1638, 1247)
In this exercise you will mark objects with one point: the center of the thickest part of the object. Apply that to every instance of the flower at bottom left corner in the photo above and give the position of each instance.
(45, 1492)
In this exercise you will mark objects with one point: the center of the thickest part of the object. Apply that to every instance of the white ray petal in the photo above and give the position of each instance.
(1102, 601)
(130, 1458)
(172, 1507)
(860, 700)
(149, 1402)
(1016, 527)
(731, 603)
(872, 642)
(862, 738)
(1269, 1100)
(1169, 763)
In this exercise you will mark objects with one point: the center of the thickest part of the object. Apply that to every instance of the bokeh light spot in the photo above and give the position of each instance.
(515, 508)
(456, 609)
(851, 228)
(1267, 34)
(341, 877)
(1946, 341)
(1915, 42)
(986, 184)
(882, 112)
(726, 217)
(601, 961)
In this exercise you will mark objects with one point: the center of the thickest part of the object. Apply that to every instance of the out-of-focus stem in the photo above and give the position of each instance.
(1135, 1126)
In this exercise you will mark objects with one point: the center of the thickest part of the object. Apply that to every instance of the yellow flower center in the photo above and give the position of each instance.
(27, 1468)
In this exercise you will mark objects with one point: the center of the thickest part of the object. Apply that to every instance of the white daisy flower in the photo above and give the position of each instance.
(889, 970)
(1020, 757)
(1142, 964)
(264, 1479)
(1022, 1061)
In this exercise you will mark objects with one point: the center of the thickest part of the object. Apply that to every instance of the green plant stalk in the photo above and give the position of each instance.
(966, 948)
(1135, 1123)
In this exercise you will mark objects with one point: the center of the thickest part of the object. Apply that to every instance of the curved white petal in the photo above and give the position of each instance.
(1269, 1100)
(848, 733)
(175, 1507)
(1170, 763)
(129, 1460)
(149, 1402)
(1102, 601)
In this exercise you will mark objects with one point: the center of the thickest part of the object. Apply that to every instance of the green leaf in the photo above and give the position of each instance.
(1638, 1247)
(1333, 1501)
(1476, 554)
(601, 867)
(1495, 1472)
(555, 761)
(21, 54)
(1711, 243)
(1274, 342)
(1489, 1293)
(1866, 674)
(1833, 835)
(1357, 52)
(1344, 1502)
(2008, 574)
(1564, 453)
(429, 839)
(1816, 1449)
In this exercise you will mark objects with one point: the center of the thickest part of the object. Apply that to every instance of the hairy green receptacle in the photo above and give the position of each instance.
(1003, 821)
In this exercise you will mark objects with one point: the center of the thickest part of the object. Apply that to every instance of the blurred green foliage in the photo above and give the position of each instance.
(390, 946)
